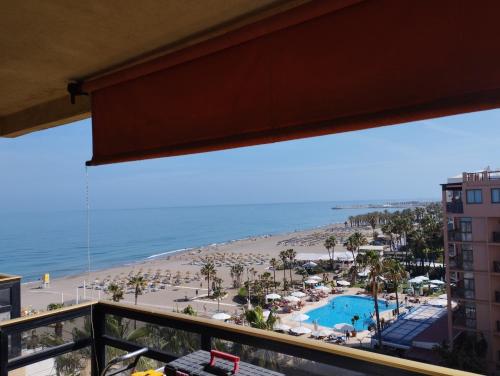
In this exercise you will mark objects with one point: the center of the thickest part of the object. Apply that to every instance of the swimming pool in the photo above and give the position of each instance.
(341, 309)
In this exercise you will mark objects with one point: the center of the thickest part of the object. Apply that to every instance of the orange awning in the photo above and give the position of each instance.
(321, 68)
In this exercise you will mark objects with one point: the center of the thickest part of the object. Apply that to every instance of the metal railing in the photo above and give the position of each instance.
(90, 332)
(473, 177)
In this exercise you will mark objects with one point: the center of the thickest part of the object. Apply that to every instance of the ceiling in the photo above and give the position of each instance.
(47, 44)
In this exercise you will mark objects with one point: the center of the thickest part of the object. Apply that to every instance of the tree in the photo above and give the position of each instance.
(330, 244)
(291, 254)
(274, 265)
(189, 310)
(372, 219)
(218, 291)
(468, 352)
(138, 283)
(256, 319)
(58, 327)
(116, 292)
(284, 257)
(395, 274)
(355, 241)
(208, 271)
(371, 260)
(236, 273)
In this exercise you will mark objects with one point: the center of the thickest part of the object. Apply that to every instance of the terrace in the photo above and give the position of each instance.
(216, 75)
(171, 335)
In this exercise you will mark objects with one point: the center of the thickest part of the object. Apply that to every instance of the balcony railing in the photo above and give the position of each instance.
(90, 334)
(455, 207)
(475, 177)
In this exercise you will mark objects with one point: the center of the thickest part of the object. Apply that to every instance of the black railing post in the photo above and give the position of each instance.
(4, 354)
(98, 346)
(206, 342)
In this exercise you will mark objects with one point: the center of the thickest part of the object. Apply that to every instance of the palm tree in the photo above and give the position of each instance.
(208, 270)
(330, 244)
(396, 274)
(356, 240)
(236, 273)
(219, 291)
(284, 257)
(291, 254)
(372, 219)
(116, 292)
(372, 261)
(256, 319)
(274, 264)
(138, 283)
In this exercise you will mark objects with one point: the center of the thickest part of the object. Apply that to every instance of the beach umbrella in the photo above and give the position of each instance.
(316, 277)
(221, 316)
(281, 327)
(322, 333)
(273, 296)
(300, 317)
(323, 288)
(291, 299)
(266, 313)
(300, 330)
(419, 279)
(343, 327)
(298, 294)
(343, 283)
(443, 296)
(310, 264)
(310, 282)
(436, 282)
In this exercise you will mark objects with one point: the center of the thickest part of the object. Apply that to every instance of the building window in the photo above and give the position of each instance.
(466, 229)
(474, 196)
(470, 315)
(495, 195)
(468, 283)
(467, 257)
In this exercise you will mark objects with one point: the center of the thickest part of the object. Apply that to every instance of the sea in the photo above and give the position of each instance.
(56, 242)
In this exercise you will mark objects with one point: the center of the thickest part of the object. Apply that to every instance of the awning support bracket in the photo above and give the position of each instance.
(74, 90)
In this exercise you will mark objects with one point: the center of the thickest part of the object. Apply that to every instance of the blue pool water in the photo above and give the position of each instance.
(341, 309)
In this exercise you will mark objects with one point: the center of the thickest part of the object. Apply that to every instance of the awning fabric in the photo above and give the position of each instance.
(324, 67)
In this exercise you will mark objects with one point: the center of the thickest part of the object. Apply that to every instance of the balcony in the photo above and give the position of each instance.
(497, 296)
(496, 266)
(10, 296)
(495, 237)
(459, 292)
(455, 207)
(460, 319)
(69, 335)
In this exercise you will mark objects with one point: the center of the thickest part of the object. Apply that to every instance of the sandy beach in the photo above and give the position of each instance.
(185, 265)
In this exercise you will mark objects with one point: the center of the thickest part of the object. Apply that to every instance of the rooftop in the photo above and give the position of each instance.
(402, 332)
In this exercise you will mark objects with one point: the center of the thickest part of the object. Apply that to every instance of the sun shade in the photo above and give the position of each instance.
(321, 68)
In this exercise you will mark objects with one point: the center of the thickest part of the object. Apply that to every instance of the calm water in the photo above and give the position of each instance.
(35, 243)
(341, 309)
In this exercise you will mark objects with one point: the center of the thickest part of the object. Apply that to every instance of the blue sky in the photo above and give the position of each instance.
(45, 170)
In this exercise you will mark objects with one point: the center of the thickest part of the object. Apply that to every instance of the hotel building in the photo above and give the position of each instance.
(471, 203)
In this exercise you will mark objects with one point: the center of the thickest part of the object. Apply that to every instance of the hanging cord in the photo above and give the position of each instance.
(87, 199)
(87, 207)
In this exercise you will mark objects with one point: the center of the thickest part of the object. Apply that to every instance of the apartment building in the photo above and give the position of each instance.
(471, 203)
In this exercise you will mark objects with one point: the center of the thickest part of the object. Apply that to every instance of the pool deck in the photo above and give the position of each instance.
(362, 339)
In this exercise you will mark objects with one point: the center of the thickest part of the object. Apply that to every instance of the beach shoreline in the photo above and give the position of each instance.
(258, 249)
